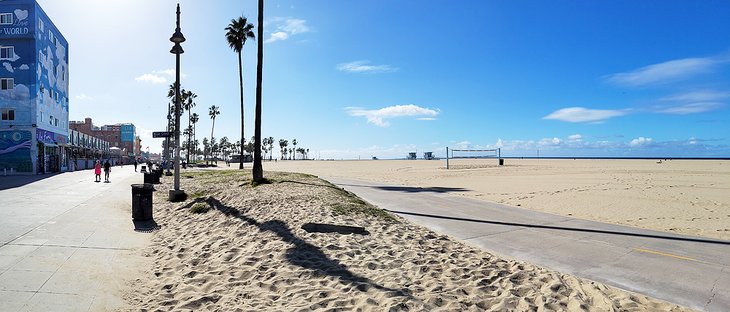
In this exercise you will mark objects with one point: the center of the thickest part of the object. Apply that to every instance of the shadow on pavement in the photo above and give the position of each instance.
(147, 226)
(410, 189)
(560, 228)
(13, 181)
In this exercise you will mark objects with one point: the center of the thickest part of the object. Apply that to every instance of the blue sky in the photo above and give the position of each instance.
(351, 79)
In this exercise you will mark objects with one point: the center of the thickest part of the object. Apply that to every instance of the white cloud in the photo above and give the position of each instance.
(285, 27)
(575, 137)
(84, 97)
(698, 96)
(691, 108)
(151, 78)
(364, 67)
(640, 141)
(378, 117)
(581, 114)
(159, 76)
(670, 71)
(548, 141)
(8, 67)
(276, 36)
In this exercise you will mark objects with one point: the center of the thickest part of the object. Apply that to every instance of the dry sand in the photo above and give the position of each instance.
(250, 253)
(679, 196)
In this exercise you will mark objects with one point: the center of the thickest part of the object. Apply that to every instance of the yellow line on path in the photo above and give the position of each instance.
(664, 254)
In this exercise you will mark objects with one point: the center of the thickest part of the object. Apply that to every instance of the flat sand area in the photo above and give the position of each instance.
(678, 196)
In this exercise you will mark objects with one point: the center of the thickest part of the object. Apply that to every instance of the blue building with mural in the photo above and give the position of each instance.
(33, 90)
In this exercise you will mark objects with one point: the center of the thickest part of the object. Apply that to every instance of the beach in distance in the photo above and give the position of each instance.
(677, 196)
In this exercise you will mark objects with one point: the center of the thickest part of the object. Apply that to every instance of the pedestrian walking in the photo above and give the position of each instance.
(107, 169)
(97, 171)
(135, 165)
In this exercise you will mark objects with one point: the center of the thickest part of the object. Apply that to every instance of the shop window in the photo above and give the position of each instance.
(6, 19)
(7, 83)
(7, 53)
(8, 114)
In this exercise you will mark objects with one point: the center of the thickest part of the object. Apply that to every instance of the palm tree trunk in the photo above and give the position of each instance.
(211, 139)
(240, 79)
(258, 171)
(190, 135)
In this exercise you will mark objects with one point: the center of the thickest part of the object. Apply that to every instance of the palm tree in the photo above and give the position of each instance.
(206, 148)
(258, 170)
(188, 105)
(282, 147)
(294, 143)
(224, 144)
(194, 119)
(237, 32)
(213, 112)
(271, 146)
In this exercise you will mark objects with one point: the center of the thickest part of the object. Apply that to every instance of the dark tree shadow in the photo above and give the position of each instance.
(411, 189)
(561, 228)
(306, 255)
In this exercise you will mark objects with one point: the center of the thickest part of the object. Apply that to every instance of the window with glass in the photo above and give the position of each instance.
(7, 53)
(6, 19)
(7, 83)
(7, 114)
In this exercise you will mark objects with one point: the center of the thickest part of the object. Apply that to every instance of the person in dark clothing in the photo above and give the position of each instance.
(107, 169)
(135, 165)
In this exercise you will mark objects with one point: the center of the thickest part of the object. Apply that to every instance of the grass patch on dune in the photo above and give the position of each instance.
(200, 208)
(339, 200)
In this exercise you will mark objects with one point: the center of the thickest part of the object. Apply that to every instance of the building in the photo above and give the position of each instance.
(34, 101)
(121, 136)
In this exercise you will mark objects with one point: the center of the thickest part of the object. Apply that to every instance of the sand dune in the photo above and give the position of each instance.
(678, 196)
(250, 253)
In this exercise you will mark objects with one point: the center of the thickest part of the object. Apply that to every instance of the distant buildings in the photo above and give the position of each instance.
(122, 137)
(34, 103)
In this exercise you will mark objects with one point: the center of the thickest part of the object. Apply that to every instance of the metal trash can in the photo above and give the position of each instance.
(156, 176)
(144, 169)
(501, 161)
(149, 177)
(142, 201)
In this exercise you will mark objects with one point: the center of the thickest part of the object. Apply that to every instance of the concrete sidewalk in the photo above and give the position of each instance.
(68, 243)
(691, 271)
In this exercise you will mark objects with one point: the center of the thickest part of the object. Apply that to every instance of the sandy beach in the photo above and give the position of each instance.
(678, 196)
(250, 249)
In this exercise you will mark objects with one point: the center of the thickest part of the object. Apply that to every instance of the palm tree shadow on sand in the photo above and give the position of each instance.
(306, 255)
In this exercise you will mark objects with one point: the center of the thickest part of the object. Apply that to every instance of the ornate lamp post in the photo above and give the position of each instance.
(177, 38)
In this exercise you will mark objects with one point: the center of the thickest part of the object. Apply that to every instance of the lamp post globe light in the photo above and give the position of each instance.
(177, 38)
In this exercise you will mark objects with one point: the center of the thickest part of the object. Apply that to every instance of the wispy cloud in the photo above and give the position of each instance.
(581, 114)
(575, 137)
(159, 76)
(667, 72)
(365, 67)
(692, 102)
(285, 27)
(151, 78)
(379, 117)
(84, 97)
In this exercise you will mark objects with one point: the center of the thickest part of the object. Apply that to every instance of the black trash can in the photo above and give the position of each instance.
(501, 161)
(142, 202)
(149, 177)
(156, 176)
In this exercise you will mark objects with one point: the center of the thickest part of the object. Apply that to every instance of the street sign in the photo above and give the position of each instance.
(161, 134)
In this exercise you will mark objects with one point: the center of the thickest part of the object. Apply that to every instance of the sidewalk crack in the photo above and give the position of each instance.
(712, 291)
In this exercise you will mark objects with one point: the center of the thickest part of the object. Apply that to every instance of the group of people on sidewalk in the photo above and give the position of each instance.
(107, 169)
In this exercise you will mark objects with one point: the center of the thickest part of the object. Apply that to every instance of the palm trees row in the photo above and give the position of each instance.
(237, 33)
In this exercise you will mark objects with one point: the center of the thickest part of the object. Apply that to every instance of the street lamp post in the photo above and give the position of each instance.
(177, 38)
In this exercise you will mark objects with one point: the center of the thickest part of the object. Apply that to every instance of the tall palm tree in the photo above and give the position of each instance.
(294, 143)
(194, 119)
(188, 105)
(237, 32)
(282, 147)
(224, 144)
(258, 170)
(213, 112)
